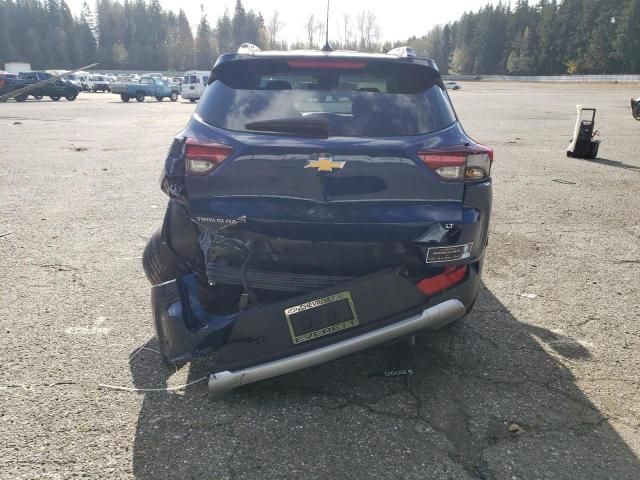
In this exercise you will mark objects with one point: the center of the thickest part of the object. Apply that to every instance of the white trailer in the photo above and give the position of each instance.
(17, 67)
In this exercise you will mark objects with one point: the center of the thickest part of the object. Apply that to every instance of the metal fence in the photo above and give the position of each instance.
(549, 78)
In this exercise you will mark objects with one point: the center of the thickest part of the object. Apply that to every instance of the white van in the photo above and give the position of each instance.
(85, 80)
(193, 84)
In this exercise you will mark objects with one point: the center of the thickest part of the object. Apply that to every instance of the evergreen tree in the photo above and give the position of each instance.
(224, 34)
(204, 56)
(85, 36)
(239, 24)
(627, 39)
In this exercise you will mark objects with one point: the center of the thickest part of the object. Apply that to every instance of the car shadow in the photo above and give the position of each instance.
(488, 397)
(613, 163)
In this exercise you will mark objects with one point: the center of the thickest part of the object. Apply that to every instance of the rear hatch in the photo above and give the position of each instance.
(323, 150)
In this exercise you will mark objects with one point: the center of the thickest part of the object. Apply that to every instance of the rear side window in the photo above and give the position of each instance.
(356, 98)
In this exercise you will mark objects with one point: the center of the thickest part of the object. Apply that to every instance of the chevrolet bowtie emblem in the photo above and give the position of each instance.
(325, 164)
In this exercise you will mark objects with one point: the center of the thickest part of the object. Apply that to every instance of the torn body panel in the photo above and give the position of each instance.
(185, 329)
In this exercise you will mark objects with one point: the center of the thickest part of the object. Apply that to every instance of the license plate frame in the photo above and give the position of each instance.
(320, 317)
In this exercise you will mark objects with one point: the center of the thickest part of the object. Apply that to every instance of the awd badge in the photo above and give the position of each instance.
(325, 164)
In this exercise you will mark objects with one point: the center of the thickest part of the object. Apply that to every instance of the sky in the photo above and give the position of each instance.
(398, 19)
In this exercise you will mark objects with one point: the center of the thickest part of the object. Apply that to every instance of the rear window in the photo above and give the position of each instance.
(33, 75)
(189, 79)
(357, 98)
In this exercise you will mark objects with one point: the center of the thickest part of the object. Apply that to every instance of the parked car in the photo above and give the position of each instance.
(307, 220)
(75, 80)
(55, 91)
(82, 80)
(85, 80)
(60, 88)
(13, 81)
(100, 83)
(6, 82)
(7, 76)
(193, 84)
(452, 85)
(148, 87)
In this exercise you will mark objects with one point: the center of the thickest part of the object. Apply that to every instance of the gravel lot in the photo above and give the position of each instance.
(540, 381)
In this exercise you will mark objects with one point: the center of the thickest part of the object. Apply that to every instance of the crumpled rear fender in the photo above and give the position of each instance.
(180, 233)
(183, 327)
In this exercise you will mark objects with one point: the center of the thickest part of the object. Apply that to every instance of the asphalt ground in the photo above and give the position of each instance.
(540, 382)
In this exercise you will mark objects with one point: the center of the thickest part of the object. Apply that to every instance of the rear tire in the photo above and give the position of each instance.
(55, 98)
(159, 99)
(192, 100)
(636, 111)
(21, 98)
(70, 98)
(160, 263)
(125, 98)
(174, 96)
(140, 97)
(38, 97)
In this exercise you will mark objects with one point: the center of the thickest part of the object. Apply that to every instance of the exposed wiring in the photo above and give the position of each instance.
(141, 348)
(243, 271)
(165, 389)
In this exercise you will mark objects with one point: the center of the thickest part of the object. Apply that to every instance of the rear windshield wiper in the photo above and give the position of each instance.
(310, 127)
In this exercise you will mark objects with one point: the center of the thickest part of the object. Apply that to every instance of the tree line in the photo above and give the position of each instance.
(140, 34)
(543, 38)
(547, 37)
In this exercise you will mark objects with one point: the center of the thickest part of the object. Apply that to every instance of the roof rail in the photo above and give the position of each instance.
(248, 48)
(402, 52)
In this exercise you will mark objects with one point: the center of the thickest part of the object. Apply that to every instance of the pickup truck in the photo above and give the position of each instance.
(56, 90)
(147, 87)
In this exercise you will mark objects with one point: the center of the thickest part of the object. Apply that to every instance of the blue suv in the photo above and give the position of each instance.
(320, 203)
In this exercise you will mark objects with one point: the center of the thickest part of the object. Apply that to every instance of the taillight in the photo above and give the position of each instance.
(447, 279)
(202, 157)
(460, 163)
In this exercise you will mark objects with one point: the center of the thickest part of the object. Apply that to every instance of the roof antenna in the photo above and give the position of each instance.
(327, 47)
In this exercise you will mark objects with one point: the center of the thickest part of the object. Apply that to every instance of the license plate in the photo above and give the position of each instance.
(321, 317)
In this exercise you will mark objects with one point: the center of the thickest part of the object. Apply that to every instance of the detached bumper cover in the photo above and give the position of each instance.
(257, 343)
(431, 318)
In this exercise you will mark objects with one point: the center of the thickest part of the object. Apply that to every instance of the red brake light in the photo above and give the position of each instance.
(447, 279)
(325, 64)
(459, 163)
(202, 157)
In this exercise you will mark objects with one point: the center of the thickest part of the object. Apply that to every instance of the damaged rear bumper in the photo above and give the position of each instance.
(259, 343)
(432, 318)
